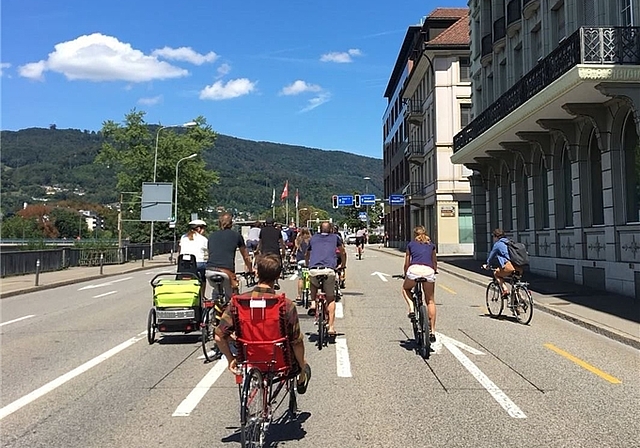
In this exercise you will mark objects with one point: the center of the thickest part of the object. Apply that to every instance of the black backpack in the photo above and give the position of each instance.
(518, 254)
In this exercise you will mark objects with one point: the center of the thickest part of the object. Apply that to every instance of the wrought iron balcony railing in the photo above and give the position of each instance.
(614, 45)
(514, 12)
(486, 45)
(416, 189)
(415, 148)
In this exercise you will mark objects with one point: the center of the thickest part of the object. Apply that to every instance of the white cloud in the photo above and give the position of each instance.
(150, 101)
(317, 101)
(4, 66)
(186, 54)
(341, 57)
(232, 89)
(97, 57)
(224, 69)
(298, 87)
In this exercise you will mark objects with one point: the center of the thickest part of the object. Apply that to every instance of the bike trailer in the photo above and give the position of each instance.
(260, 327)
(176, 293)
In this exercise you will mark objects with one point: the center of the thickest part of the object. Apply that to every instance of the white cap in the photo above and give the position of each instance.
(198, 222)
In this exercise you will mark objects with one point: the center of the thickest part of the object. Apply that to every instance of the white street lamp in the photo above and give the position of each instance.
(155, 167)
(175, 209)
(366, 190)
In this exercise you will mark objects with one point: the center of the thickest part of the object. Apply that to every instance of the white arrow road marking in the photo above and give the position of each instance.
(503, 400)
(21, 402)
(99, 285)
(342, 358)
(381, 275)
(17, 320)
(104, 294)
(293, 276)
(461, 345)
(198, 393)
(339, 310)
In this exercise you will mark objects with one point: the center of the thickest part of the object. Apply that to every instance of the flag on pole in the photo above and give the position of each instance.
(273, 198)
(285, 192)
(296, 198)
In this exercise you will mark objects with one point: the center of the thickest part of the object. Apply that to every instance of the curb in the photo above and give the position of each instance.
(581, 321)
(17, 292)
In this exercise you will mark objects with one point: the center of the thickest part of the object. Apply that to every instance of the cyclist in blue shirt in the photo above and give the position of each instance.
(499, 256)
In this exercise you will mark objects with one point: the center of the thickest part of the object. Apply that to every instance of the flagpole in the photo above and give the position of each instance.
(297, 211)
(287, 208)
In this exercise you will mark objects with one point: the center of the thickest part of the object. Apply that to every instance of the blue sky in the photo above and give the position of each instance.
(302, 72)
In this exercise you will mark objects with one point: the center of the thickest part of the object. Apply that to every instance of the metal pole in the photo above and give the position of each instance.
(101, 263)
(142, 257)
(120, 230)
(37, 271)
(155, 170)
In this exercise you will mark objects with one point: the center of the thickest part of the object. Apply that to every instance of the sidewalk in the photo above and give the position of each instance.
(614, 316)
(22, 284)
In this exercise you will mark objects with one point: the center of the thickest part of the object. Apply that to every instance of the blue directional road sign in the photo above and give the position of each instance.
(345, 200)
(396, 199)
(367, 199)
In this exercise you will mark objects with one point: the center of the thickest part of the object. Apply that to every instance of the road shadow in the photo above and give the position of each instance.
(177, 339)
(614, 304)
(284, 429)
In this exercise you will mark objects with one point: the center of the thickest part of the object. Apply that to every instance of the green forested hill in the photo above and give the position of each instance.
(249, 170)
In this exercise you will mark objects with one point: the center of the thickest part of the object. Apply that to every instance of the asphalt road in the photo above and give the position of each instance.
(77, 371)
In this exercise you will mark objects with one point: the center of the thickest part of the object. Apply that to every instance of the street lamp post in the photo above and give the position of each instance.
(366, 190)
(175, 207)
(155, 167)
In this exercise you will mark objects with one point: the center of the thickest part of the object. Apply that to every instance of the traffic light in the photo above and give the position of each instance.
(356, 201)
(95, 223)
(334, 200)
(102, 223)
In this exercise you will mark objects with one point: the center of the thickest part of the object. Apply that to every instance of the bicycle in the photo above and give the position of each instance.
(214, 307)
(420, 323)
(520, 300)
(305, 298)
(339, 282)
(322, 314)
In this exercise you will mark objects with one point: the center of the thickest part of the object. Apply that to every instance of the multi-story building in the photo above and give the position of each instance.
(554, 142)
(430, 100)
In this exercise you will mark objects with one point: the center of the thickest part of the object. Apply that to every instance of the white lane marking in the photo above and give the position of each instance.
(293, 277)
(503, 400)
(21, 402)
(17, 320)
(461, 345)
(339, 310)
(104, 294)
(381, 275)
(104, 284)
(188, 404)
(342, 358)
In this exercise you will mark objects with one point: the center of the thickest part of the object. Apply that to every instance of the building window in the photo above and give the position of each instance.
(558, 23)
(567, 187)
(464, 65)
(631, 151)
(522, 197)
(465, 114)
(541, 195)
(627, 13)
(493, 201)
(465, 222)
(595, 184)
(490, 97)
(536, 45)
(518, 62)
(506, 200)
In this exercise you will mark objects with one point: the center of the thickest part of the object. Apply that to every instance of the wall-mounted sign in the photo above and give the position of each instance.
(448, 211)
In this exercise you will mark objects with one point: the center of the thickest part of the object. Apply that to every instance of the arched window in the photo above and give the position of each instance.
(506, 198)
(541, 200)
(595, 184)
(522, 196)
(631, 154)
(567, 187)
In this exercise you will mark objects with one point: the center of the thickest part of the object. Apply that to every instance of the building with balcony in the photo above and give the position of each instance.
(435, 103)
(554, 142)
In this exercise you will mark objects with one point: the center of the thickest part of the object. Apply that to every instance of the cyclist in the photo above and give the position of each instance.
(499, 255)
(223, 244)
(253, 237)
(321, 255)
(300, 249)
(271, 242)
(195, 243)
(361, 239)
(269, 268)
(342, 274)
(420, 261)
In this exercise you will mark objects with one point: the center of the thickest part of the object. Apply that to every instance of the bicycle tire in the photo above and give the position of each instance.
(425, 345)
(494, 301)
(523, 305)
(253, 406)
(320, 318)
(208, 330)
(305, 298)
(151, 326)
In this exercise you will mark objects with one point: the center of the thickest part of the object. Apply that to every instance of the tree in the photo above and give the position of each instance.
(68, 222)
(129, 149)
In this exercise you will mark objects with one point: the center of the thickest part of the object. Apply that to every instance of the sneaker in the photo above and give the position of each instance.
(432, 338)
(302, 387)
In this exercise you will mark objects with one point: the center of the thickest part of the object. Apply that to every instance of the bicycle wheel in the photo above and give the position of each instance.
(208, 330)
(151, 326)
(253, 406)
(494, 299)
(424, 346)
(320, 318)
(524, 304)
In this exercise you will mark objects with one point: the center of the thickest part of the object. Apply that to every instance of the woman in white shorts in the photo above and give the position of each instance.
(420, 261)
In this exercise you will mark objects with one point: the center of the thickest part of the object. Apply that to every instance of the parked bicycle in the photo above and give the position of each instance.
(519, 299)
(420, 322)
